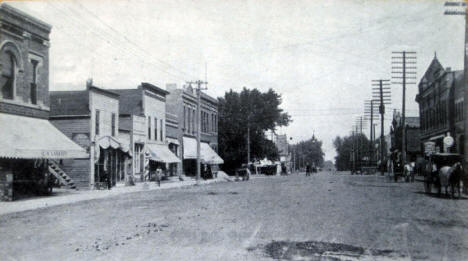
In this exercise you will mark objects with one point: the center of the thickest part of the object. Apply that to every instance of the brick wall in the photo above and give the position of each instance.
(28, 39)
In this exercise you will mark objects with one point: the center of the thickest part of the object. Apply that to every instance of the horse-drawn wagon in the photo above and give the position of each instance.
(443, 170)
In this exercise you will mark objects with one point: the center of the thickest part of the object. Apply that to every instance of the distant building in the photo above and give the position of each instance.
(182, 103)
(441, 106)
(413, 142)
(281, 142)
(29, 144)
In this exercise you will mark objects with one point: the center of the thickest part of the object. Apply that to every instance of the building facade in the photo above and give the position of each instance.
(413, 139)
(182, 102)
(29, 144)
(441, 106)
(91, 118)
(143, 116)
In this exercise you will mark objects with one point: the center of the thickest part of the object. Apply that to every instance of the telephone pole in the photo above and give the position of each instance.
(381, 91)
(403, 69)
(369, 111)
(199, 89)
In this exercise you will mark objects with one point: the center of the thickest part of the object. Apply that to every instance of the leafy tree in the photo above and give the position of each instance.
(248, 109)
(309, 151)
(344, 149)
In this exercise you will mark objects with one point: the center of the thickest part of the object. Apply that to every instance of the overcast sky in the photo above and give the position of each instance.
(319, 55)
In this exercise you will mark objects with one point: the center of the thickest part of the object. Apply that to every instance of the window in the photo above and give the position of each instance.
(161, 130)
(149, 127)
(97, 120)
(193, 121)
(113, 124)
(156, 128)
(8, 75)
(185, 119)
(33, 90)
(189, 123)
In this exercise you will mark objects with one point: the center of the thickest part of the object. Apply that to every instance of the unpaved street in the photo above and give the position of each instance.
(323, 217)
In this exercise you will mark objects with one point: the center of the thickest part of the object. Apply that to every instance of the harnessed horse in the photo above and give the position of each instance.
(451, 176)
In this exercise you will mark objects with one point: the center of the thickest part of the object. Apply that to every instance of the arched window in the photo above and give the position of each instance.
(8, 75)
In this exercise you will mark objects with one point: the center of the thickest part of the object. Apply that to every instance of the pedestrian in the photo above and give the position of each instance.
(158, 176)
(308, 170)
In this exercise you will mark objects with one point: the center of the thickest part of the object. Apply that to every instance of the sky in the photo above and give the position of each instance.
(321, 56)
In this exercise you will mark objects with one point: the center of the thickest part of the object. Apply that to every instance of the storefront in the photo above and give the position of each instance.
(210, 160)
(112, 162)
(28, 148)
(159, 157)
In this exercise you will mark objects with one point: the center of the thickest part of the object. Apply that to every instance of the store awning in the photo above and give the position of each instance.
(161, 153)
(207, 154)
(32, 138)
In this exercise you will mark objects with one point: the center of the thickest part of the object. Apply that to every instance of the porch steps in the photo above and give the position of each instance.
(64, 179)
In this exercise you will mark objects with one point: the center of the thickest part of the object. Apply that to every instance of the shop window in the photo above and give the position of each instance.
(8, 75)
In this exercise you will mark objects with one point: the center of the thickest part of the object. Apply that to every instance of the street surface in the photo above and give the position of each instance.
(328, 216)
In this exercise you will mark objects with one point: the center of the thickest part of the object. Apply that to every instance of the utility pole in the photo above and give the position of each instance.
(401, 71)
(369, 111)
(199, 89)
(381, 91)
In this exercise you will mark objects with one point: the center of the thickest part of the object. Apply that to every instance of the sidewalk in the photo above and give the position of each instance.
(68, 196)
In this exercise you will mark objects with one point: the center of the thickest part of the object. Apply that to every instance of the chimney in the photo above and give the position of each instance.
(89, 83)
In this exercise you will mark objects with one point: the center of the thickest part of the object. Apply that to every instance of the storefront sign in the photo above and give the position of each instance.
(53, 153)
(429, 147)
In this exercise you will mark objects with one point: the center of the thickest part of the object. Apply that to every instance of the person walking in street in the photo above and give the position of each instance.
(308, 170)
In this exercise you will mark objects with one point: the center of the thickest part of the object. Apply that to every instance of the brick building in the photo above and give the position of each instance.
(90, 117)
(29, 144)
(182, 102)
(413, 140)
(441, 99)
(143, 116)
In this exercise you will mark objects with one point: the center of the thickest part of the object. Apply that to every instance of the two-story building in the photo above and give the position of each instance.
(143, 115)
(441, 99)
(29, 144)
(90, 117)
(182, 102)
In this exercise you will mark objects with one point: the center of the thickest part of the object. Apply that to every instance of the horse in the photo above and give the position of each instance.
(451, 176)
(408, 173)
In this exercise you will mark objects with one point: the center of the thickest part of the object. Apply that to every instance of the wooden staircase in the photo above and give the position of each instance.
(64, 179)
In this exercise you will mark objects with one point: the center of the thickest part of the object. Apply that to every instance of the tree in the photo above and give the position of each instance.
(248, 109)
(344, 150)
(309, 151)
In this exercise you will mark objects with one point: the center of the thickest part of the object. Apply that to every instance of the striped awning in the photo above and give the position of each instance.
(32, 138)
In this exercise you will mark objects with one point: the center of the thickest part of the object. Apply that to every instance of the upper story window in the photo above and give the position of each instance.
(97, 120)
(33, 87)
(155, 128)
(113, 124)
(185, 119)
(8, 75)
(161, 130)
(149, 127)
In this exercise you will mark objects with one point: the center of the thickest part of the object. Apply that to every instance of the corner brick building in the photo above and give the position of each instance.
(29, 144)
